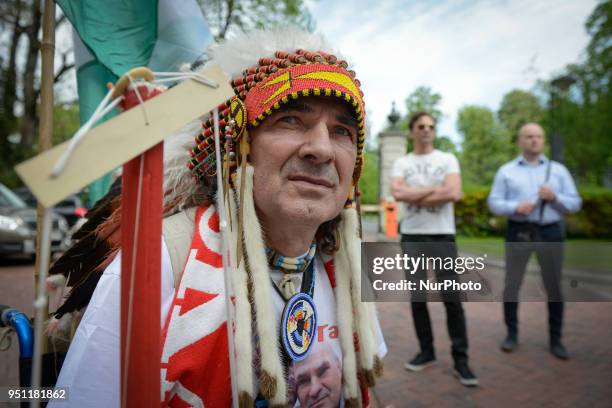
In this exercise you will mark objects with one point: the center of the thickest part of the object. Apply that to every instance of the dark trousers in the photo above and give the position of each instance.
(438, 246)
(522, 240)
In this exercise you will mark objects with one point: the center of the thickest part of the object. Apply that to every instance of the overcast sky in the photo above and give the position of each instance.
(471, 52)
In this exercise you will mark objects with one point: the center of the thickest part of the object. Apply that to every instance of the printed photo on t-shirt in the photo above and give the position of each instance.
(316, 381)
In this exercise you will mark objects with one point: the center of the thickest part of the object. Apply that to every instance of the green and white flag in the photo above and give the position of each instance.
(113, 36)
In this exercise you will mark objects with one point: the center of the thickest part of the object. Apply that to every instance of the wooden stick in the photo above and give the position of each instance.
(47, 50)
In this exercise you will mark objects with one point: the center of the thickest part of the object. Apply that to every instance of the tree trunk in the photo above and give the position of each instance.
(10, 74)
(28, 121)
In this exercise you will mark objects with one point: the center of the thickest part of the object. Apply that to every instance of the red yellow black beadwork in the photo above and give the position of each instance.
(265, 88)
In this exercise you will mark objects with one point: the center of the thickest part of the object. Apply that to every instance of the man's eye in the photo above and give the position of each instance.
(292, 120)
(341, 130)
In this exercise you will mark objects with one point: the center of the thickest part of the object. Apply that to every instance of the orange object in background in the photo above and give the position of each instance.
(390, 219)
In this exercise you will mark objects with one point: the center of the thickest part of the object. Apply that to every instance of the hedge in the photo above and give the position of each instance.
(594, 220)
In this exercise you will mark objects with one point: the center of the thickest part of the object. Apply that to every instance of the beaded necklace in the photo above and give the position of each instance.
(291, 264)
(299, 319)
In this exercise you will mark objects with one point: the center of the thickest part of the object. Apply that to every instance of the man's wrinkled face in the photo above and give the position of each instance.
(304, 156)
(423, 130)
(318, 379)
(531, 139)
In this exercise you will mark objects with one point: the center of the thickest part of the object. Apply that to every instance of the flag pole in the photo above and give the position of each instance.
(43, 216)
(47, 51)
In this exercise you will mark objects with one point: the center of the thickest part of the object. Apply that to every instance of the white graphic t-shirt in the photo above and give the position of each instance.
(317, 380)
(426, 170)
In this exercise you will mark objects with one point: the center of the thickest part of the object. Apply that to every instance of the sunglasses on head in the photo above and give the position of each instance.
(422, 127)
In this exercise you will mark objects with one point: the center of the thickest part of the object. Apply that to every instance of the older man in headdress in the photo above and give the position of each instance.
(292, 155)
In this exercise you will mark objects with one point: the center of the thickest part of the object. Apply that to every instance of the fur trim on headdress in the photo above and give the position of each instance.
(242, 334)
(345, 323)
(363, 315)
(272, 377)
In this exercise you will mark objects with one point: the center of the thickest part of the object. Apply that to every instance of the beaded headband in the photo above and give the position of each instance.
(263, 89)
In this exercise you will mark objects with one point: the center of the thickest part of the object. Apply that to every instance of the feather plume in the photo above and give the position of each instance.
(244, 50)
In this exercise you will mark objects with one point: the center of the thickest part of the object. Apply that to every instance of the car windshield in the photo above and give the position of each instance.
(10, 199)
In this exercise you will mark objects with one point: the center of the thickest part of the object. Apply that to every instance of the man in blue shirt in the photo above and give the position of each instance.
(534, 193)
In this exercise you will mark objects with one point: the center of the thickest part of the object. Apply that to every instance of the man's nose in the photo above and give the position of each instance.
(315, 388)
(317, 146)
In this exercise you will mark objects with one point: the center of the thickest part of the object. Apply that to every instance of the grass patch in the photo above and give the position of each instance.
(592, 255)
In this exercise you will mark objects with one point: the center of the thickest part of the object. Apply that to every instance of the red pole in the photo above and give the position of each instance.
(141, 231)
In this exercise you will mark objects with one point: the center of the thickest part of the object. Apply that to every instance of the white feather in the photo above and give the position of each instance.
(244, 50)
(179, 183)
(55, 282)
(59, 328)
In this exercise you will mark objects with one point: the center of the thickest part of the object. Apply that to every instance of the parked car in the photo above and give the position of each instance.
(71, 207)
(18, 227)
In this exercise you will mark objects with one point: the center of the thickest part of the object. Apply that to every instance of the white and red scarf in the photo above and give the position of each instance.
(195, 364)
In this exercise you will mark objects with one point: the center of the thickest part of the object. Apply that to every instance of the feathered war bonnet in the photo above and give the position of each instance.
(269, 69)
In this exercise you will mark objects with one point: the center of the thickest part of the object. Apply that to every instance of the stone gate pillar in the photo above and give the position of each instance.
(392, 145)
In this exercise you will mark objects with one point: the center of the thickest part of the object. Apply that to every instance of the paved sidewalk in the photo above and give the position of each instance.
(530, 377)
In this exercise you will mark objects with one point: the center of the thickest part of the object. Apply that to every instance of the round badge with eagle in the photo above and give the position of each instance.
(299, 326)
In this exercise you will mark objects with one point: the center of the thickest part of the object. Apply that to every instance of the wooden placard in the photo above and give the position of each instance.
(122, 138)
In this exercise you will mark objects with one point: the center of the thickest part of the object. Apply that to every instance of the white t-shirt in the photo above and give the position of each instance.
(426, 170)
(91, 368)
(318, 378)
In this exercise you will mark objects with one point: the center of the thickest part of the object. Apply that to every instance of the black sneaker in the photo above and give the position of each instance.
(557, 350)
(465, 375)
(419, 362)
(509, 344)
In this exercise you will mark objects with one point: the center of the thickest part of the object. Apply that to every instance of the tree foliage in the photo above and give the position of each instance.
(583, 115)
(517, 108)
(65, 122)
(20, 42)
(423, 99)
(369, 183)
(224, 16)
(485, 145)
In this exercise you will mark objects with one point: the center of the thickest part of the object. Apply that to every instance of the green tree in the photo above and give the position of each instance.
(582, 116)
(485, 144)
(517, 108)
(20, 42)
(599, 50)
(223, 16)
(422, 99)
(65, 122)
(369, 183)
(445, 144)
